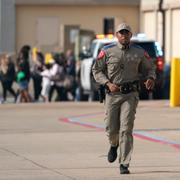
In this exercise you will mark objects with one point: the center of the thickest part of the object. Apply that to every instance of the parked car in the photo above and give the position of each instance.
(88, 84)
(155, 52)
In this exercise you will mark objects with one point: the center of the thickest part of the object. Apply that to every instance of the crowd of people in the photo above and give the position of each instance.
(54, 76)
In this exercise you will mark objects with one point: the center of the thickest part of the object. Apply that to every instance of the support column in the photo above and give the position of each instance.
(7, 26)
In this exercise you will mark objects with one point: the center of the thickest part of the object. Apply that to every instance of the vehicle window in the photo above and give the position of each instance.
(93, 45)
(149, 47)
(158, 49)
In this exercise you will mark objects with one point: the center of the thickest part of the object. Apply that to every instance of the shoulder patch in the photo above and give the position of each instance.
(147, 55)
(101, 55)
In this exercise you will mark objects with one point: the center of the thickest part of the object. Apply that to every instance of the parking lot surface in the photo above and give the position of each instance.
(66, 141)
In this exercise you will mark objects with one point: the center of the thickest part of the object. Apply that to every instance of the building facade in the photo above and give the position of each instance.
(59, 24)
(154, 24)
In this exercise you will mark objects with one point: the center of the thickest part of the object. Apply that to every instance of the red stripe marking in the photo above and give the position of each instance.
(66, 120)
(156, 140)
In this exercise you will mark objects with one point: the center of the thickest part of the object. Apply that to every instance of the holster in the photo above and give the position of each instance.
(128, 87)
(101, 92)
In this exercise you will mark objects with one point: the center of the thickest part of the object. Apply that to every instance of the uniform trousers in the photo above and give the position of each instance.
(120, 116)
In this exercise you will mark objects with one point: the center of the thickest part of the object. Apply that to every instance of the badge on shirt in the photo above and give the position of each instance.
(101, 55)
(147, 55)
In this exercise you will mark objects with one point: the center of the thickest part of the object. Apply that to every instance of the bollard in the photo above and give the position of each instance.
(175, 83)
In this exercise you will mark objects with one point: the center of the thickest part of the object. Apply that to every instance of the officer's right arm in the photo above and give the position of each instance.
(147, 68)
(99, 69)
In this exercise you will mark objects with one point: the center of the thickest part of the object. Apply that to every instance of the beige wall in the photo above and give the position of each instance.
(172, 29)
(175, 33)
(87, 17)
(171, 3)
(168, 47)
(149, 28)
(151, 19)
(172, 37)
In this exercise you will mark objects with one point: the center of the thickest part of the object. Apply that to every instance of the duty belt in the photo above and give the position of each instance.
(128, 87)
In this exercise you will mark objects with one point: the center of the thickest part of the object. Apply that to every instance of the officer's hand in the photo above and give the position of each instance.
(112, 87)
(149, 84)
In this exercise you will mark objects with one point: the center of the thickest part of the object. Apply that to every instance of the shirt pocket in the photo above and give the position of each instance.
(113, 65)
(133, 65)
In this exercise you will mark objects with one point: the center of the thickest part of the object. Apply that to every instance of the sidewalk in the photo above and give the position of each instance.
(66, 141)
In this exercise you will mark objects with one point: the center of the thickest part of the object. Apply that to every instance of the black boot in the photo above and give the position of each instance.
(124, 169)
(112, 154)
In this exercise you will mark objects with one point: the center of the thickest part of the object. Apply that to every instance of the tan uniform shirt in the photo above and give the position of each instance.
(119, 65)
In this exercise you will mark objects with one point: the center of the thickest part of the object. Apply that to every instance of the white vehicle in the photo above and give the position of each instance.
(87, 86)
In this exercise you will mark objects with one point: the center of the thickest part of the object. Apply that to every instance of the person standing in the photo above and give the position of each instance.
(58, 73)
(118, 68)
(70, 74)
(7, 75)
(46, 80)
(37, 68)
(23, 74)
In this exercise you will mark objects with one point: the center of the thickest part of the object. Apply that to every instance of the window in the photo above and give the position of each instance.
(108, 25)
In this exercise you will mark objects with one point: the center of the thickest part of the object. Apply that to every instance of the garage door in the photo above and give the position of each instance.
(175, 33)
(149, 24)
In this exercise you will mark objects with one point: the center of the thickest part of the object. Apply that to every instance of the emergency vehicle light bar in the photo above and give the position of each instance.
(102, 36)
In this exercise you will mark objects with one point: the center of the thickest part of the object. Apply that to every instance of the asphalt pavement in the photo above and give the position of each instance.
(66, 141)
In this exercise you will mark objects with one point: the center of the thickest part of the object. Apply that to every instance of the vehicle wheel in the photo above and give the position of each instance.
(158, 93)
(82, 96)
(93, 96)
(144, 95)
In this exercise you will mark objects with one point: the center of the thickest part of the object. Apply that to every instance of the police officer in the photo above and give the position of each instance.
(118, 67)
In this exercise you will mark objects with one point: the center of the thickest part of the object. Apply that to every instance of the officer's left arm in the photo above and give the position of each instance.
(147, 68)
